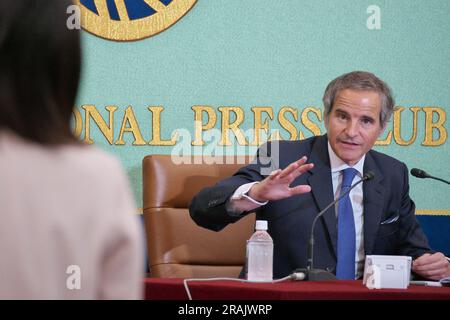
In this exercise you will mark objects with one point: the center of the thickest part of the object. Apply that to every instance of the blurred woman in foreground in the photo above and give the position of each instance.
(68, 228)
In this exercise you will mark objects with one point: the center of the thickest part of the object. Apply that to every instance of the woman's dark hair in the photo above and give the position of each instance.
(39, 70)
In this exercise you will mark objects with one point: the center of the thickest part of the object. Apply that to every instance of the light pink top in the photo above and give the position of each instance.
(68, 228)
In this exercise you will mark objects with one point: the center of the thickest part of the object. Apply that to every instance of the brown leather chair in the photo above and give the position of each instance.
(177, 247)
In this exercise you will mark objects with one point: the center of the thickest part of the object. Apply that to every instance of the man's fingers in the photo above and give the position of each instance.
(302, 169)
(274, 174)
(427, 258)
(432, 266)
(435, 265)
(431, 274)
(292, 167)
(300, 189)
(422, 259)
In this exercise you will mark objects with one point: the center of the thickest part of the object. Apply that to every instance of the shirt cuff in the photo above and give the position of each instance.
(241, 202)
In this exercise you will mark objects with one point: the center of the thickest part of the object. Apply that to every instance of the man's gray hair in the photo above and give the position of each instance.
(360, 80)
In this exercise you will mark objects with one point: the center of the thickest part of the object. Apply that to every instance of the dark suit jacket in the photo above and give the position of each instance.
(390, 226)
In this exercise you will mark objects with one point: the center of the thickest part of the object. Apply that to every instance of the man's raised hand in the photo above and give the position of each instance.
(277, 185)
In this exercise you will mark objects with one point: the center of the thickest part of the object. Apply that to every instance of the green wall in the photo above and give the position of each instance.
(275, 53)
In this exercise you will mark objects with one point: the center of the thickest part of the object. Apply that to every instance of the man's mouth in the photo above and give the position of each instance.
(349, 143)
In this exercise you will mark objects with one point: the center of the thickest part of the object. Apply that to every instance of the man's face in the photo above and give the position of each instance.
(353, 125)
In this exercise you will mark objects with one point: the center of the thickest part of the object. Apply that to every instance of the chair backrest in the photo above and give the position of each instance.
(177, 247)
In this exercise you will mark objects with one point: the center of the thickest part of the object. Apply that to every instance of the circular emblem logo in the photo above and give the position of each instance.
(130, 20)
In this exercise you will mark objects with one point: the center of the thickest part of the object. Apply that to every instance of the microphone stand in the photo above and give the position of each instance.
(439, 179)
(423, 175)
(312, 274)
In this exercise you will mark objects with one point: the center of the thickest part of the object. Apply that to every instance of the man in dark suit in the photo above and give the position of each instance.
(377, 217)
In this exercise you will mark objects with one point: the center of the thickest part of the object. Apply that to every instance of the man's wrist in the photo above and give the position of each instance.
(240, 201)
(251, 194)
(255, 201)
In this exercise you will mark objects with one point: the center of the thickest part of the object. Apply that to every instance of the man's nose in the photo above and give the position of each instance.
(352, 129)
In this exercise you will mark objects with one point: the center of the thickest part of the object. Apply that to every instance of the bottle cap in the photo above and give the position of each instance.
(261, 225)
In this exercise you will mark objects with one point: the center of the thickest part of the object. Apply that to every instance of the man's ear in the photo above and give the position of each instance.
(382, 130)
(326, 117)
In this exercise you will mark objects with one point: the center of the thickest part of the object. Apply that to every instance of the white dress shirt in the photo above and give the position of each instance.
(356, 198)
(240, 202)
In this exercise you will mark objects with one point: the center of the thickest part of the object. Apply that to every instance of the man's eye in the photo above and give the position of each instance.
(342, 116)
(367, 121)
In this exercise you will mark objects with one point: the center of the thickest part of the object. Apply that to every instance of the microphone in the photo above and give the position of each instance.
(422, 174)
(312, 274)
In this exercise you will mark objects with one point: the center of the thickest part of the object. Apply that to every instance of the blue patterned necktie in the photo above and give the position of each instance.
(346, 245)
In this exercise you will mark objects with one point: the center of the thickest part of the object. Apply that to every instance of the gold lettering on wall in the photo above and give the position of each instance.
(156, 129)
(233, 127)
(259, 125)
(199, 127)
(430, 125)
(133, 127)
(311, 126)
(286, 124)
(78, 123)
(107, 130)
(386, 141)
(398, 126)
(295, 122)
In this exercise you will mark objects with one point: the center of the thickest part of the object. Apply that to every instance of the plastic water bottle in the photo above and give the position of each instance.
(260, 254)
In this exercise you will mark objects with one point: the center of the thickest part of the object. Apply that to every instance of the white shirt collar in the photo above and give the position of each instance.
(338, 165)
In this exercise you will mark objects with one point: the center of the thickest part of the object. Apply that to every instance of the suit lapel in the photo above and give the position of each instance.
(322, 185)
(374, 193)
